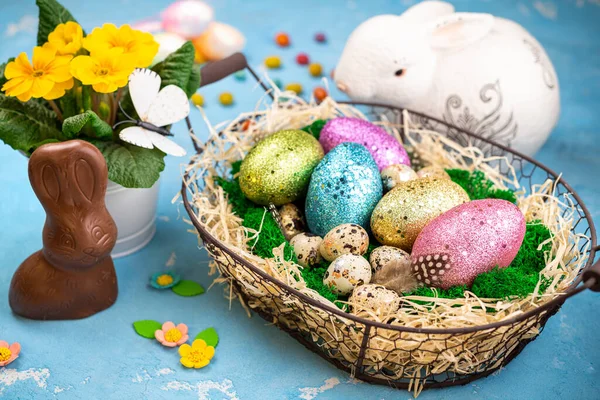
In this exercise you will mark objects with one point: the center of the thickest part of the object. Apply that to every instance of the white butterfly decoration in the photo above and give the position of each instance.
(156, 109)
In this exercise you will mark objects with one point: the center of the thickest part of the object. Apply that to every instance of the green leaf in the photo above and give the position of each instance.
(2, 68)
(194, 81)
(131, 166)
(210, 336)
(146, 328)
(68, 105)
(23, 125)
(73, 125)
(52, 14)
(188, 288)
(177, 68)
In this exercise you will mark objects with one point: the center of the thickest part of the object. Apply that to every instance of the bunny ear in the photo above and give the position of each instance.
(44, 176)
(88, 174)
(459, 29)
(427, 11)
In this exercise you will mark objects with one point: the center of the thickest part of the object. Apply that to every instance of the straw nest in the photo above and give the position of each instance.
(411, 358)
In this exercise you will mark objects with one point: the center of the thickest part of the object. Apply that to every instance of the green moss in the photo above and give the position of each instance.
(451, 293)
(478, 186)
(235, 167)
(270, 234)
(315, 128)
(235, 196)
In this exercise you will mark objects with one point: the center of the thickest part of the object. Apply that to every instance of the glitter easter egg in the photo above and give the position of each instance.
(384, 148)
(406, 209)
(277, 170)
(466, 241)
(187, 18)
(344, 188)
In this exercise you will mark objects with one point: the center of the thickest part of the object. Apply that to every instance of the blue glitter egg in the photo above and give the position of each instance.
(344, 188)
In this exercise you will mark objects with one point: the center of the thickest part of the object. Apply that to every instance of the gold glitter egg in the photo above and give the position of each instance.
(278, 168)
(404, 211)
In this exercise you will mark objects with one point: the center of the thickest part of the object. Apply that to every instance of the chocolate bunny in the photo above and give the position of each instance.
(73, 276)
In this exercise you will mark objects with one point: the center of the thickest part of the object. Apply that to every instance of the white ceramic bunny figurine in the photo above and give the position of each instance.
(481, 73)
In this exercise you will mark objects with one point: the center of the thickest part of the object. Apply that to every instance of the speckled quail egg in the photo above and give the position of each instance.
(433, 172)
(375, 298)
(292, 220)
(382, 255)
(306, 247)
(347, 272)
(344, 239)
(394, 174)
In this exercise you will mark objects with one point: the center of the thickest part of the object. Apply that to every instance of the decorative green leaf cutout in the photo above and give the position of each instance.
(131, 166)
(52, 13)
(73, 125)
(24, 125)
(188, 288)
(178, 68)
(210, 336)
(146, 328)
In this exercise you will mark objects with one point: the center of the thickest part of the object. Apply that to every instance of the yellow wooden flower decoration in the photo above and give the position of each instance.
(105, 69)
(137, 43)
(66, 38)
(198, 355)
(48, 75)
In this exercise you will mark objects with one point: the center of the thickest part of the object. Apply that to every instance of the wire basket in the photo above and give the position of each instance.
(352, 343)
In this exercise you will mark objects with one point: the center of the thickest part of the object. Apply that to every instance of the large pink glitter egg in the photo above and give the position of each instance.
(384, 148)
(466, 241)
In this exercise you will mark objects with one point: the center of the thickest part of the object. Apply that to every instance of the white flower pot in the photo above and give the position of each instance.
(134, 212)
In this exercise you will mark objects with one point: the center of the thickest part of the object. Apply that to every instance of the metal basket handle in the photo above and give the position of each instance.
(217, 70)
(591, 276)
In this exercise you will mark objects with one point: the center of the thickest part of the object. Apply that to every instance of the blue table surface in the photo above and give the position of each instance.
(103, 357)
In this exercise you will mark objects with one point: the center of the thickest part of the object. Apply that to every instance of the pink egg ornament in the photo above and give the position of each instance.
(384, 148)
(187, 18)
(467, 240)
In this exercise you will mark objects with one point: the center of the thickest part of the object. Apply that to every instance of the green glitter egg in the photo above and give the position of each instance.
(277, 170)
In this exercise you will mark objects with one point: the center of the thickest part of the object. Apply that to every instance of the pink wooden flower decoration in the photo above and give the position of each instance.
(171, 335)
(8, 353)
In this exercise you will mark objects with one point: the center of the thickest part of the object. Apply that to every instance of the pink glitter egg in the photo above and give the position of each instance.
(466, 241)
(384, 148)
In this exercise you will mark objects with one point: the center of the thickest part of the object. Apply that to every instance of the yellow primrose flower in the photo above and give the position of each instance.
(198, 355)
(48, 76)
(66, 38)
(105, 69)
(137, 43)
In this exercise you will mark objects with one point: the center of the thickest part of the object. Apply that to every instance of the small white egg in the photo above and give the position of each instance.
(344, 239)
(395, 174)
(375, 298)
(433, 172)
(347, 272)
(292, 220)
(306, 247)
(382, 255)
